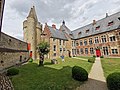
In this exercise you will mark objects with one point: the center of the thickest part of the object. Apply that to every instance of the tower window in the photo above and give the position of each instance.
(9, 40)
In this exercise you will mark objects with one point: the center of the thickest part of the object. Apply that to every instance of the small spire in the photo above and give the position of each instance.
(63, 22)
(32, 13)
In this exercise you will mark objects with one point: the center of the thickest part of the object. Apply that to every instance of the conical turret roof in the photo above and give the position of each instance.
(32, 13)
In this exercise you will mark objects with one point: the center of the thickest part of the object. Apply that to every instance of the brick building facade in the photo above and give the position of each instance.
(100, 38)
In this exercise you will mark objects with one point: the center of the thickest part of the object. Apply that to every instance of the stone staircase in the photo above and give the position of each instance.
(5, 83)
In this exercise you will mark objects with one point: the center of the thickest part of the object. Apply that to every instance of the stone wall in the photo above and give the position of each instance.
(12, 43)
(12, 51)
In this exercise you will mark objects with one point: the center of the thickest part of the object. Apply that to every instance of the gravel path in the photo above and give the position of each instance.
(96, 79)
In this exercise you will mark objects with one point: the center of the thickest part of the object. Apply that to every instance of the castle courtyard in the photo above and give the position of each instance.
(59, 44)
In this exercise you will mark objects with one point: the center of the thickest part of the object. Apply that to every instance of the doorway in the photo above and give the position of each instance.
(98, 53)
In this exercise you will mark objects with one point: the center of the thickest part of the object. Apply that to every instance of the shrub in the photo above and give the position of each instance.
(101, 56)
(113, 81)
(79, 73)
(92, 60)
(31, 60)
(12, 71)
(94, 56)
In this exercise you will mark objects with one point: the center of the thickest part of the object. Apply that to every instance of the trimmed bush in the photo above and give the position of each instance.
(101, 56)
(31, 60)
(113, 81)
(92, 60)
(12, 71)
(94, 56)
(79, 73)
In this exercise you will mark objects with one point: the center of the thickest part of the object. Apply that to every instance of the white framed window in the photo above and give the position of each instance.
(91, 51)
(90, 41)
(114, 51)
(96, 40)
(103, 39)
(81, 51)
(86, 50)
(112, 38)
(81, 43)
(54, 48)
(85, 42)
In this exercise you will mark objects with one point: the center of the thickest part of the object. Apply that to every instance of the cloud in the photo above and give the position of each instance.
(76, 13)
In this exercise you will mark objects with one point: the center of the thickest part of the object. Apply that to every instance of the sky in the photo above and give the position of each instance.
(75, 13)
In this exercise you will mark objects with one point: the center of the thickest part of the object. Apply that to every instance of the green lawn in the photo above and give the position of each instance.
(49, 77)
(85, 57)
(110, 65)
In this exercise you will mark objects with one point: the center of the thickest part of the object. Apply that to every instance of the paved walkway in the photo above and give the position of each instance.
(96, 79)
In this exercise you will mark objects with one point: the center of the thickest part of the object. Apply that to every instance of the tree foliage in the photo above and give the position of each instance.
(43, 49)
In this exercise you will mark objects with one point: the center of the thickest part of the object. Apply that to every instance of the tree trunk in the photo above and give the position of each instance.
(41, 60)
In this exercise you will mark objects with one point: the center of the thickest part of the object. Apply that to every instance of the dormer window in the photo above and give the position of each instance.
(79, 33)
(87, 31)
(70, 34)
(97, 28)
(110, 23)
(119, 18)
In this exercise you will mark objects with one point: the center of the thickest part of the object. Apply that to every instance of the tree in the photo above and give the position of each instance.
(43, 49)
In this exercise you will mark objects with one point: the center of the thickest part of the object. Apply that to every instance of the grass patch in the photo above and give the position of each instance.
(110, 65)
(84, 57)
(50, 77)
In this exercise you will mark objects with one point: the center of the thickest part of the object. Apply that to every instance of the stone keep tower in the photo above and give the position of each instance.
(32, 30)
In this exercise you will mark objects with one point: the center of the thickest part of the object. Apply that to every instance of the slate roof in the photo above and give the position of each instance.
(66, 29)
(103, 23)
(57, 33)
(81, 32)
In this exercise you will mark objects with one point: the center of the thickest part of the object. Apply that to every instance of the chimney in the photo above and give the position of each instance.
(106, 15)
(54, 26)
(94, 22)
